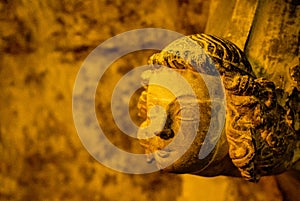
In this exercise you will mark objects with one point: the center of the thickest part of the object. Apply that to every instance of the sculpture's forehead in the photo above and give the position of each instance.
(159, 95)
(165, 87)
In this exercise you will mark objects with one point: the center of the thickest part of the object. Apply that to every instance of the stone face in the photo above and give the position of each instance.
(261, 139)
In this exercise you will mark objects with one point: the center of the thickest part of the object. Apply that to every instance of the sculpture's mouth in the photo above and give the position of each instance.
(162, 158)
(155, 148)
(160, 147)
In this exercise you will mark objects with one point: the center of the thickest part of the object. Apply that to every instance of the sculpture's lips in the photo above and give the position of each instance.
(155, 154)
(163, 158)
(163, 153)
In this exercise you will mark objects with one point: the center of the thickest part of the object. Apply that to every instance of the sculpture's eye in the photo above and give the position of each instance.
(166, 134)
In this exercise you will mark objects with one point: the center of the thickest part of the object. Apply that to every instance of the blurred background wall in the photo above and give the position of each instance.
(42, 47)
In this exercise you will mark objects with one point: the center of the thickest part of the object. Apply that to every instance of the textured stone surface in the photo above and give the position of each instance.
(232, 19)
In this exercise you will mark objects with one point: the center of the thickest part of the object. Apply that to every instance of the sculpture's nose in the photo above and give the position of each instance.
(154, 123)
(166, 134)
